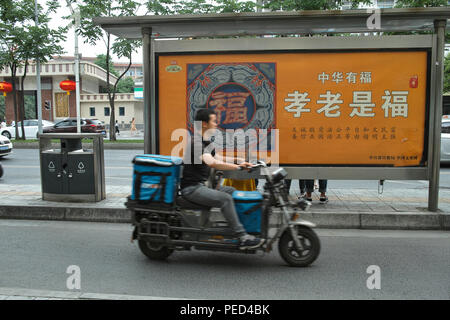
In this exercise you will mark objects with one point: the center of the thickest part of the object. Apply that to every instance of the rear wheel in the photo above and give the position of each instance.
(6, 134)
(154, 251)
(299, 257)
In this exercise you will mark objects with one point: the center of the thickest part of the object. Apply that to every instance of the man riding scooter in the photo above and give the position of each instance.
(196, 172)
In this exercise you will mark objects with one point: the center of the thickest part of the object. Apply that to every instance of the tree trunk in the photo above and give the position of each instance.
(22, 103)
(112, 129)
(112, 121)
(13, 75)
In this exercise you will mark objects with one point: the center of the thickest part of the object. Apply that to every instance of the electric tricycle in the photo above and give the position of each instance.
(161, 229)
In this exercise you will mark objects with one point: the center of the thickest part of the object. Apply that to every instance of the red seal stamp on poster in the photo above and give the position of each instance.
(413, 82)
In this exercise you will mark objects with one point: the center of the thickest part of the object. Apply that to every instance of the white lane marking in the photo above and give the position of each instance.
(412, 234)
(52, 294)
(415, 234)
(38, 167)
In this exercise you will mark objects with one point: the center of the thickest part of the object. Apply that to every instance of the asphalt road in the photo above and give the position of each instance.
(22, 167)
(36, 255)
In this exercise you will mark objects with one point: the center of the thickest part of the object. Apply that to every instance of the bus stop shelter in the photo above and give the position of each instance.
(274, 46)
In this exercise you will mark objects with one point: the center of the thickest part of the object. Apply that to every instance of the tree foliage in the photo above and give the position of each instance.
(21, 40)
(447, 74)
(101, 62)
(420, 3)
(93, 34)
(292, 5)
(166, 7)
(126, 85)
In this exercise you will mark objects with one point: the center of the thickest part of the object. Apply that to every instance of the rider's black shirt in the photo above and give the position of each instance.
(195, 173)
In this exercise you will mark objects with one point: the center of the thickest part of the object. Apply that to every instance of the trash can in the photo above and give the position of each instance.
(69, 170)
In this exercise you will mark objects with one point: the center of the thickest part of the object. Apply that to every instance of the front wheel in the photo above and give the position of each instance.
(296, 257)
(6, 134)
(154, 251)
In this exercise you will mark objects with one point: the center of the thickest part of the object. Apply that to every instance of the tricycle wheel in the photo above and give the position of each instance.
(296, 257)
(154, 251)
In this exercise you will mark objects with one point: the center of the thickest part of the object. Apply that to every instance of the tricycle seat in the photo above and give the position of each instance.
(186, 204)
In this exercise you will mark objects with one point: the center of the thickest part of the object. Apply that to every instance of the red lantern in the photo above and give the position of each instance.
(67, 85)
(5, 87)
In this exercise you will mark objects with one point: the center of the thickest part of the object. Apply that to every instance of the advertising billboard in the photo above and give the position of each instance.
(328, 108)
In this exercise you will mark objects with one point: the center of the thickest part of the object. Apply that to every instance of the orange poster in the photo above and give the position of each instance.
(340, 108)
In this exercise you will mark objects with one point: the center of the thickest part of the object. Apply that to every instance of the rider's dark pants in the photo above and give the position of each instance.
(217, 199)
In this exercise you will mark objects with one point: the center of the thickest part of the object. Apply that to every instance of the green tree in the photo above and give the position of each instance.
(21, 40)
(447, 74)
(294, 5)
(126, 85)
(420, 3)
(228, 6)
(165, 7)
(101, 62)
(120, 47)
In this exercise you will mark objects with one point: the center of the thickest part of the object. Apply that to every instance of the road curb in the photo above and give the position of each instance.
(106, 146)
(334, 220)
(408, 221)
(115, 215)
(329, 220)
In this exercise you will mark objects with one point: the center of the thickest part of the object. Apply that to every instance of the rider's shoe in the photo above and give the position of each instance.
(250, 242)
(306, 197)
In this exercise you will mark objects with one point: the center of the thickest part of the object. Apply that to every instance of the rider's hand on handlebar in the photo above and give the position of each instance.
(245, 165)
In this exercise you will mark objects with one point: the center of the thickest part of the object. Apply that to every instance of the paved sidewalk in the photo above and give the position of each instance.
(354, 208)
(126, 135)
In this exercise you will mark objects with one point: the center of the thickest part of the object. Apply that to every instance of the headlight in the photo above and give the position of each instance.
(278, 175)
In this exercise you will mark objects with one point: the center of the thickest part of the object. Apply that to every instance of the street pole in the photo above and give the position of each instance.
(76, 14)
(433, 191)
(77, 69)
(149, 141)
(38, 76)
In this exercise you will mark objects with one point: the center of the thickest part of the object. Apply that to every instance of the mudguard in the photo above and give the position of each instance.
(301, 222)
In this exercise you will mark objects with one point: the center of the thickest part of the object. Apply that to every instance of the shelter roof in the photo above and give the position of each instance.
(273, 23)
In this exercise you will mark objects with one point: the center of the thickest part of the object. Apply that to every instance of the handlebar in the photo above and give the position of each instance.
(259, 164)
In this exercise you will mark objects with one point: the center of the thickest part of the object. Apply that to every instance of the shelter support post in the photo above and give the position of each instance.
(149, 92)
(438, 64)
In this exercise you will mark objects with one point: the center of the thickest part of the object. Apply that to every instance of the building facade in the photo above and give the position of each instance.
(135, 70)
(125, 105)
(58, 105)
